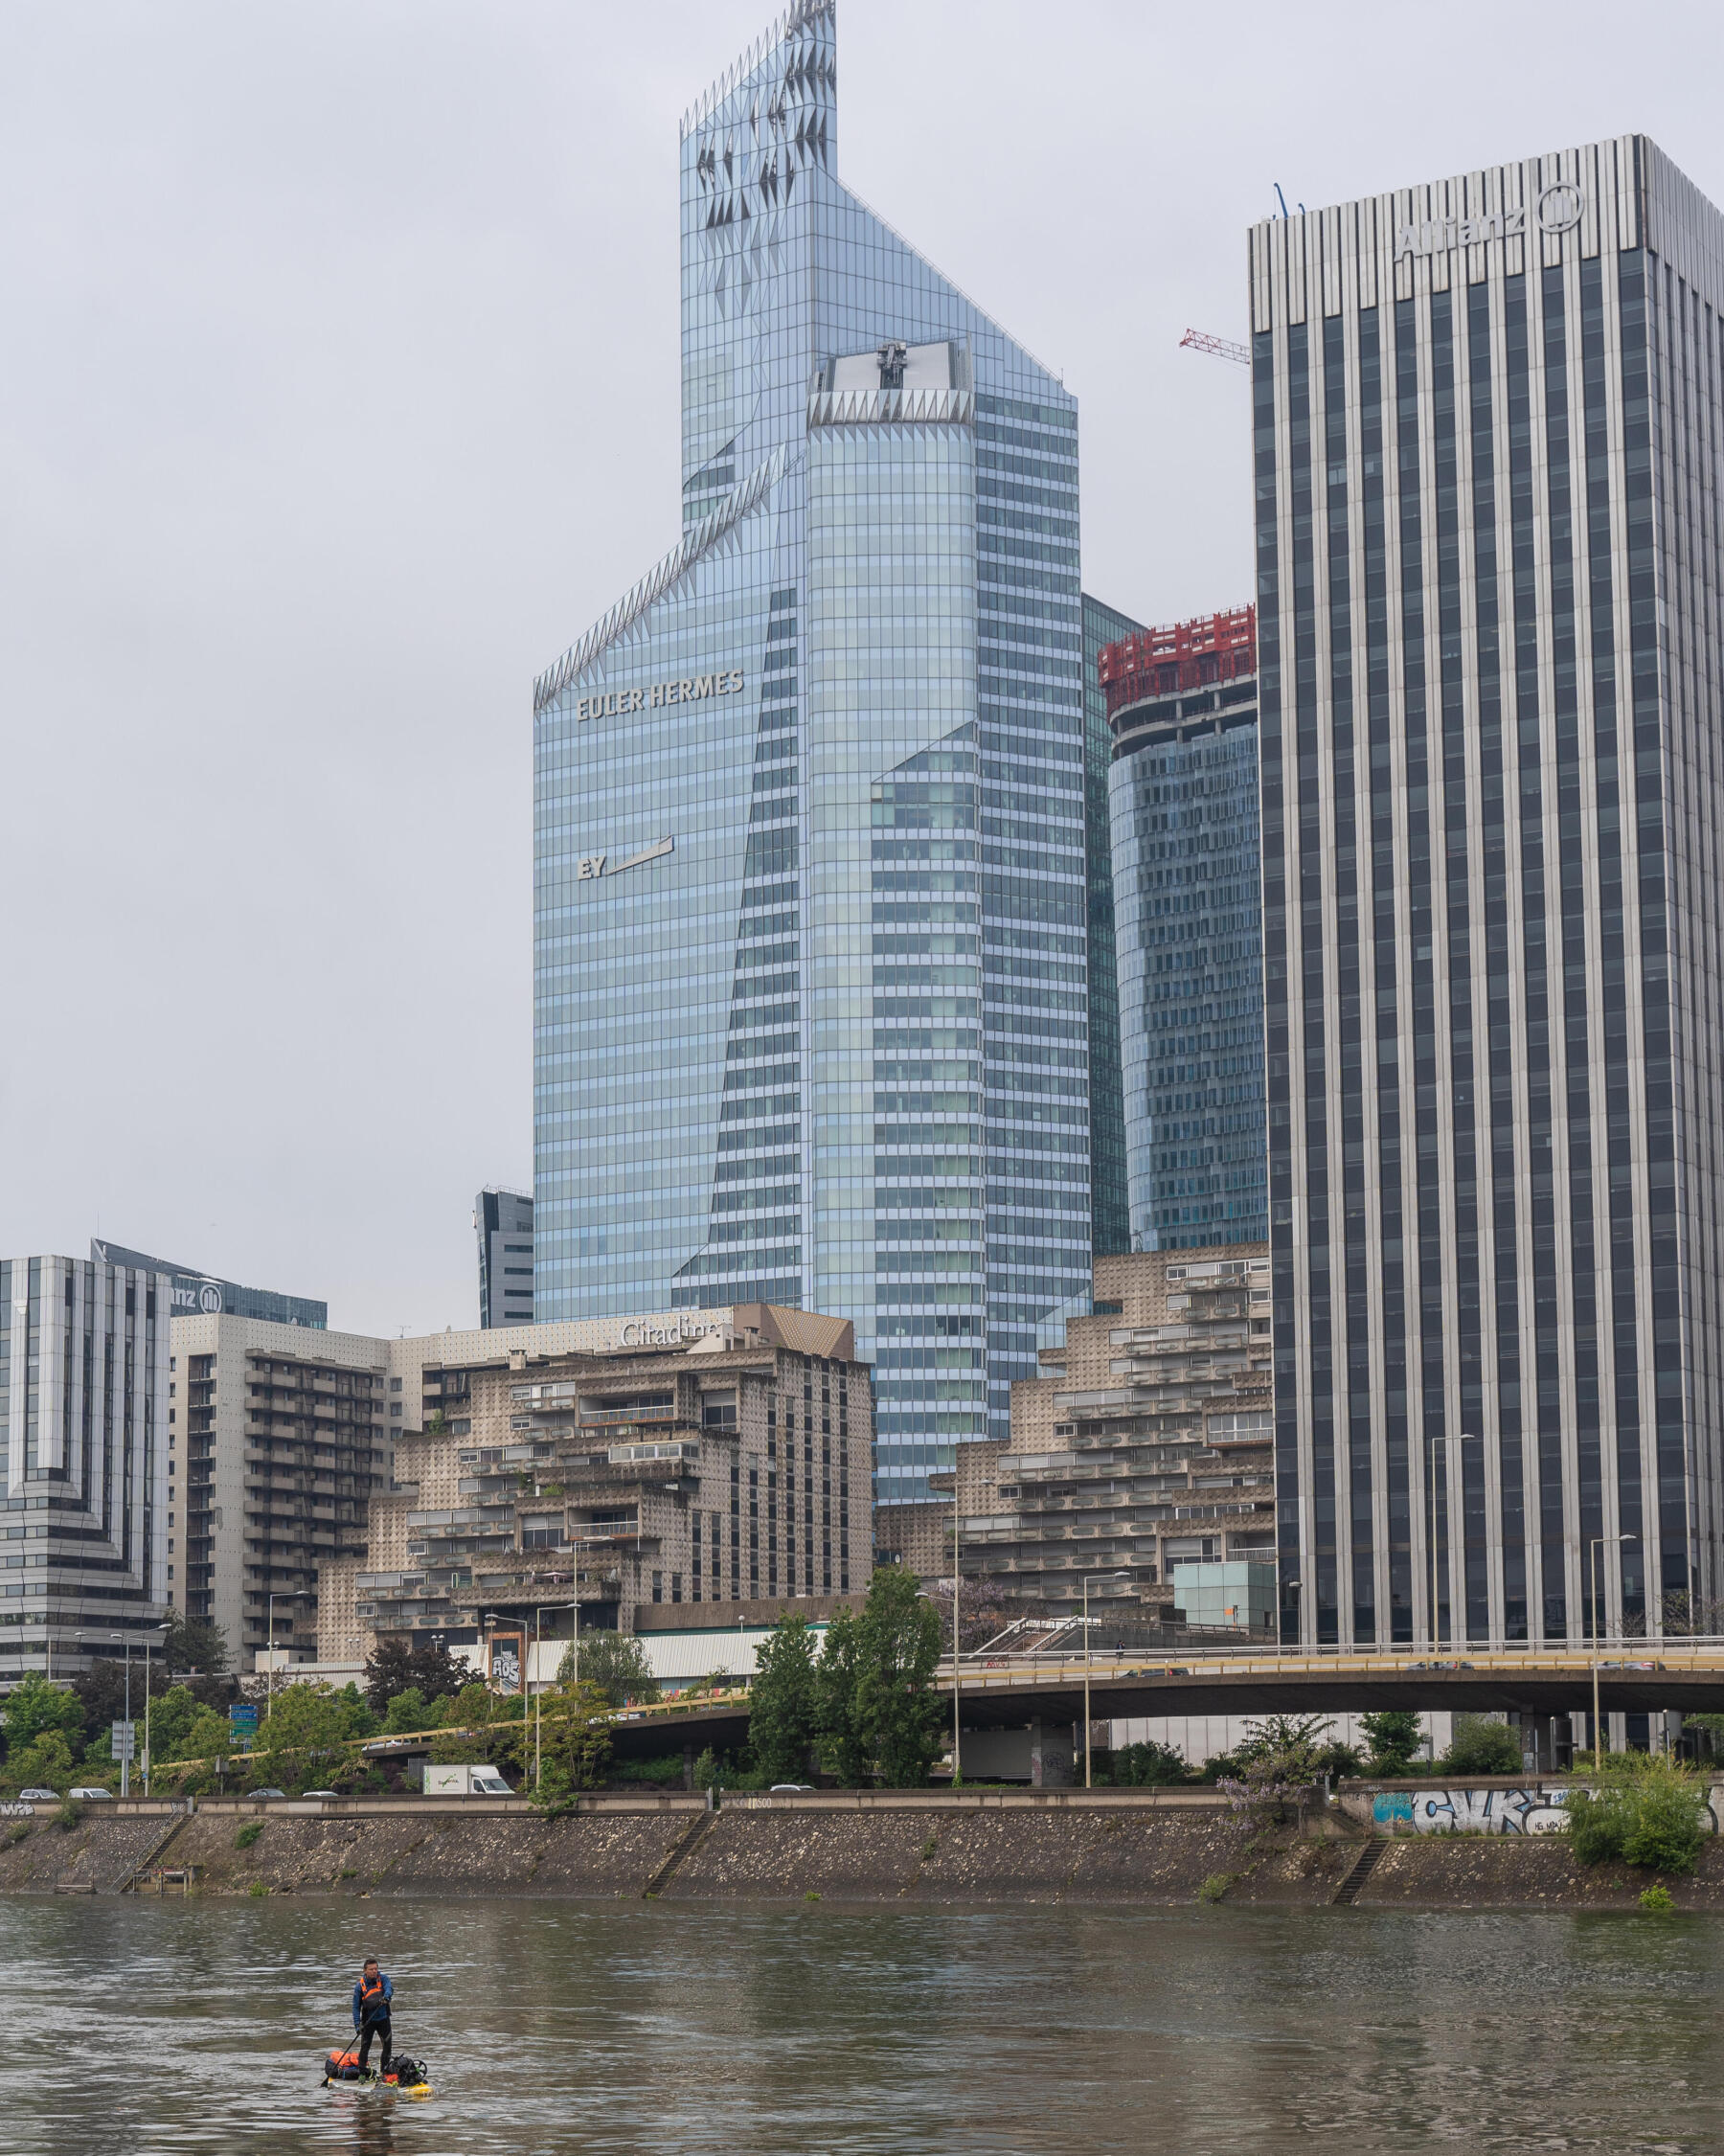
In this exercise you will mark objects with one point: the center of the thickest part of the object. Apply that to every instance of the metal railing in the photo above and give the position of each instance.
(1251, 1659)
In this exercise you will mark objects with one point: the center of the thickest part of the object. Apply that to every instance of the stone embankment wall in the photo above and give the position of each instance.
(1112, 1847)
(1509, 1804)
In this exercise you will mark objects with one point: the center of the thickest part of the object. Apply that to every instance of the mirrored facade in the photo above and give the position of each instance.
(810, 897)
(1181, 704)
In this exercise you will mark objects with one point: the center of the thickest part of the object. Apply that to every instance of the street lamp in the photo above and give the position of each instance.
(280, 1595)
(1087, 1578)
(957, 1641)
(1462, 1436)
(1598, 1543)
(126, 1639)
(157, 1637)
(538, 1630)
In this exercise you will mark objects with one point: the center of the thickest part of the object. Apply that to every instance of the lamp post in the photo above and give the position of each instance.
(539, 1629)
(279, 1595)
(1087, 1578)
(155, 1638)
(958, 1642)
(1461, 1437)
(124, 1638)
(1598, 1543)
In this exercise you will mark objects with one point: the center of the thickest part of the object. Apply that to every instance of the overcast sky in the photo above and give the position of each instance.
(338, 393)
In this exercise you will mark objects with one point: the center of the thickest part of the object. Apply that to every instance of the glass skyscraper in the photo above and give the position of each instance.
(811, 892)
(1181, 705)
(1110, 1212)
(1488, 418)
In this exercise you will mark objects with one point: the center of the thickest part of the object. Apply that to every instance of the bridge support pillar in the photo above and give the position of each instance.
(1035, 1754)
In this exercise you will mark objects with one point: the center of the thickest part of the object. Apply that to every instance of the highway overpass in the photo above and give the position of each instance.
(1640, 1677)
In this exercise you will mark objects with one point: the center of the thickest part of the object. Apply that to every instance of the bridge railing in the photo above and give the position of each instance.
(1255, 1660)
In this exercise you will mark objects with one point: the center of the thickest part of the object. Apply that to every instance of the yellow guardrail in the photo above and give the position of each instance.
(1666, 1660)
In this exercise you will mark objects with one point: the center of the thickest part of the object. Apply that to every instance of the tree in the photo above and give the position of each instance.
(407, 1711)
(475, 1703)
(426, 1666)
(615, 1663)
(1395, 1736)
(575, 1741)
(897, 1710)
(172, 1715)
(837, 1720)
(35, 1704)
(783, 1700)
(45, 1760)
(193, 1645)
(313, 1726)
(1297, 1741)
(1481, 1745)
(1149, 1765)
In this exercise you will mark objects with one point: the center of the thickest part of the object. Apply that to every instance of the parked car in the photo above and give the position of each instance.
(91, 1796)
(320, 1792)
(38, 1796)
(791, 1789)
(265, 1792)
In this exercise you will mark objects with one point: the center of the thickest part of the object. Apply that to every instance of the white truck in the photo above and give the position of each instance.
(465, 1782)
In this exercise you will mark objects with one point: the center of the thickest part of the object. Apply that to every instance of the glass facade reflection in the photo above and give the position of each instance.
(811, 899)
(1188, 907)
(1110, 1215)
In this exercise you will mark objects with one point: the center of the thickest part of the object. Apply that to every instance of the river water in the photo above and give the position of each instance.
(137, 2027)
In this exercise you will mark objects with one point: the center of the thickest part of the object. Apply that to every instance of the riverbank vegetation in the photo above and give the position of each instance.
(1644, 1809)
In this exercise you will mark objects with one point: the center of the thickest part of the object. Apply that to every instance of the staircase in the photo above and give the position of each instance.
(1363, 1864)
(702, 1824)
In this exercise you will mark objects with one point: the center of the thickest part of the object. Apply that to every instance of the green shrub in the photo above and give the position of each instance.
(248, 1834)
(1481, 1745)
(68, 1815)
(16, 1833)
(1658, 1901)
(1149, 1766)
(1395, 1736)
(661, 1772)
(1215, 1886)
(257, 1890)
(1645, 1811)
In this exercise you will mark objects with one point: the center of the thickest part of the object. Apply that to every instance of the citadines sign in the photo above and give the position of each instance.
(616, 701)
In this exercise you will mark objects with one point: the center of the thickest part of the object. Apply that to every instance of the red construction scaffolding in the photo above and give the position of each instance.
(1189, 655)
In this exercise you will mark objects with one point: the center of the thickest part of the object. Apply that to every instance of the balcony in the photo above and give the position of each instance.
(609, 1418)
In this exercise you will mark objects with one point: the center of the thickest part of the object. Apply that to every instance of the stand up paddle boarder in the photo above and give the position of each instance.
(373, 1995)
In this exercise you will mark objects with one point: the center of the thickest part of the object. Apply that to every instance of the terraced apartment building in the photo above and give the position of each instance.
(720, 1460)
(1145, 1446)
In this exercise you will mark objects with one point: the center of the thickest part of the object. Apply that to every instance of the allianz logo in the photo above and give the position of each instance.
(1559, 209)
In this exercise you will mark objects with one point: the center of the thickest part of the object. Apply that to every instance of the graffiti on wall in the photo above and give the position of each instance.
(1471, 1811)
(1535, 1810)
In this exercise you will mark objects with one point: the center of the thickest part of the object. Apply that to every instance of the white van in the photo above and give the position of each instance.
(465, 1782)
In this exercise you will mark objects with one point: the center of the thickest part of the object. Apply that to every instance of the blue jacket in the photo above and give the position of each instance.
(375, 2015)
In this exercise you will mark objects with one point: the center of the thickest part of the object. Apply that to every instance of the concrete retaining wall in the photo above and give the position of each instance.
(1509, 1804)
(930, 1846)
